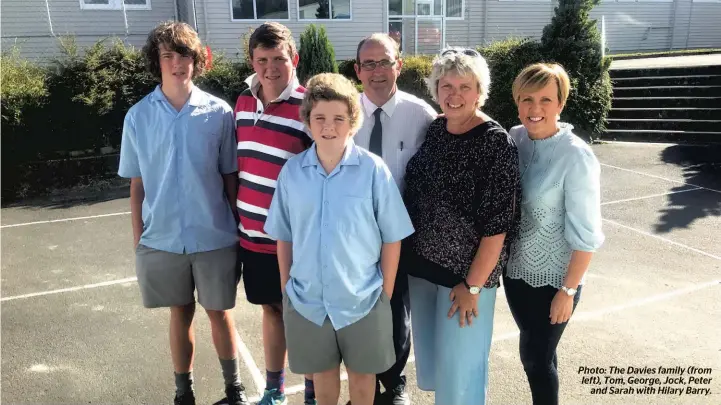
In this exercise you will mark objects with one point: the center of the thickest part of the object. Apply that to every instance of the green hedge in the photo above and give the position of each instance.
(505, 60)
(79, 102)
(75, 107)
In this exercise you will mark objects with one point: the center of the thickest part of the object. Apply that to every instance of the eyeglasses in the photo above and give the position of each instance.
(371, 64)
(470, 52)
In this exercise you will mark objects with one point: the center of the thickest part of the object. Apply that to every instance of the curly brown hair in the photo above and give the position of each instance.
(178, 37)
(332, 87)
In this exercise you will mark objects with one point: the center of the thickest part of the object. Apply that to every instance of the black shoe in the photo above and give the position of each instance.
(397, 396)
(235, 395)
(186, 399)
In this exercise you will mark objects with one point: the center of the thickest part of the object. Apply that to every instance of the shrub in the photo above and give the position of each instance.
(316, 53)
(414, 71)
(226, 79)
(245, 42)
(23, 86)
(505, 60)
(78, 105)
(347, 69)
(572, 40)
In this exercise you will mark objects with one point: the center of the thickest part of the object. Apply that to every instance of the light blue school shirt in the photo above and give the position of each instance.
(560, 208)
(337, 223)
(181, 157)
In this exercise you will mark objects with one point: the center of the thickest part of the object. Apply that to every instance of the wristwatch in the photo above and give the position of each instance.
(473, 289)
(569, 291)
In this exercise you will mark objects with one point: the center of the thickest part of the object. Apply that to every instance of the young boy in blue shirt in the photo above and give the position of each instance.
(178, 149)
(339, 219)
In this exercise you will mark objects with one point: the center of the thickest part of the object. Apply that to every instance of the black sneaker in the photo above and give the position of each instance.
(185, 399)
(235, 395)
(398, 396)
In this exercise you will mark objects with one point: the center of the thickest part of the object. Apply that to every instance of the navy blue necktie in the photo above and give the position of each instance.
(376, 142)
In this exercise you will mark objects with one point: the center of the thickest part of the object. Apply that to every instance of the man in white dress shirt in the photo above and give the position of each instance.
(394, 128)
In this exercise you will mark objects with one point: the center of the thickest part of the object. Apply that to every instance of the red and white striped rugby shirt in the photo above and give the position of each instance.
(267, 138)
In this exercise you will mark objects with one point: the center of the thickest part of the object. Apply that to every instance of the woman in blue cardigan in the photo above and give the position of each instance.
(560, 224)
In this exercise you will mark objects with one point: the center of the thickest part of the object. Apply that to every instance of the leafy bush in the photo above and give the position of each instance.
(316, 53)
(347, 69)
(572, 40)
(414, 71)
(226, 79)
(77, 105)
(505, 60)
(23, 86)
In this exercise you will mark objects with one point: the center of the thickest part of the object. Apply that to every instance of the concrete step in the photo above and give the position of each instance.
(649, 81)
(668, 91)
(667, 113)
(686, 137)
(665, 102)
(664, 124)
(666, 71)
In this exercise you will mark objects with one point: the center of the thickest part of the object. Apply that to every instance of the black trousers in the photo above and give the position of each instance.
(531, 308)
(401, 309)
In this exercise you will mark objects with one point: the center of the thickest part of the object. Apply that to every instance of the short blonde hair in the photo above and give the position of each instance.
(332, 87)
(537, 76)
(456, 62)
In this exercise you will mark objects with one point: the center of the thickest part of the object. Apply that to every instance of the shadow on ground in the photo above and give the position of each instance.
(701, 167)
(95, 192)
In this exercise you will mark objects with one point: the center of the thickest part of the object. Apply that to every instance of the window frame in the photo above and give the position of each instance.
(463, 12)
(115, 5)
(462, 17)
(255, 13)
(330, 2)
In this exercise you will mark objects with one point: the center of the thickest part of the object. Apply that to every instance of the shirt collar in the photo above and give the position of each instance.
(350, 156)
(254, 84)
(389, 107)
(197, 96)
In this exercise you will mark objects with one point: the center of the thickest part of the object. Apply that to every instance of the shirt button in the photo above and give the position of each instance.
(326, 203)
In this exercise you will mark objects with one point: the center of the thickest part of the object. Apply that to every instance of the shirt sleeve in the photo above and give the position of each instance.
(582, 197)
(498, 205)
(391, 215)
(228, 145)
(277, 224)
(129, 166)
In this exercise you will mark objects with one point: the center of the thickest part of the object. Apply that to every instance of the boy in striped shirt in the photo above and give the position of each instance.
(269, 132)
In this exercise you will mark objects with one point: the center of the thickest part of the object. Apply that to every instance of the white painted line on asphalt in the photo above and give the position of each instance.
(659, 177)
(247, 358)
(635, 144)
(64, 220)
(650, 196)
(589, 315)
(70, 289)
(664, 239)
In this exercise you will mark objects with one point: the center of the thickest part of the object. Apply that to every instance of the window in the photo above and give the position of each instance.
(324, 9)
(409, 8)
(259, 9)
(454, 8)
(395, 30)
(114, 4)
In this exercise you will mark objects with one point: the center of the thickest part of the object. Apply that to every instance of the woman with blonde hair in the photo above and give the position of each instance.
(560, 223)
(462, 187)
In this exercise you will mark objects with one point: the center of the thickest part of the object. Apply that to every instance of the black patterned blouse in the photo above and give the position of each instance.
(459, 189)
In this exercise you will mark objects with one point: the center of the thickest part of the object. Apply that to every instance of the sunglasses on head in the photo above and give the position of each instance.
(470, 52)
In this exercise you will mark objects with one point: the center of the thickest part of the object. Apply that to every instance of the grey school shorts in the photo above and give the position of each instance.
(170, 279)
(366, 346)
